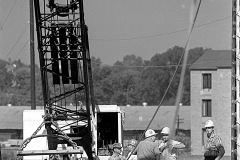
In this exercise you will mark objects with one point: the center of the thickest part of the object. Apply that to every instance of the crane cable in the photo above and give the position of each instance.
(180, 86)
(1, 28)
(193, 18)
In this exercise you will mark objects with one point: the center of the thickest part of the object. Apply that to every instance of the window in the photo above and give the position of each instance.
(207, 81)
(206, 108)
(204, 136)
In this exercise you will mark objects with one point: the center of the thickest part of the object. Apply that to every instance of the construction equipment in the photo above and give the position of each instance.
(104, 134)
(235, 110)
(67, 85)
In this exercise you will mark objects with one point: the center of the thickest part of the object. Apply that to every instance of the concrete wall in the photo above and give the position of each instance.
(220, 94)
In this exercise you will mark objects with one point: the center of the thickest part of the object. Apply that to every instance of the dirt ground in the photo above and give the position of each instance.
(190, 157)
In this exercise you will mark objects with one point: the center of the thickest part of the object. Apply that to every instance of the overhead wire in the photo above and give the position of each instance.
(151, 36)
(158, 35)
(17, 56)
(8, 15)
(20, 36)
(133, 38)
(158, 66)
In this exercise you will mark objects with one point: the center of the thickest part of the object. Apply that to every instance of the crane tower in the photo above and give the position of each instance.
(66, 76)
(235, 152)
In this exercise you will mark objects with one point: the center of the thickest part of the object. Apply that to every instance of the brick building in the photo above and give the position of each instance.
(211, 98)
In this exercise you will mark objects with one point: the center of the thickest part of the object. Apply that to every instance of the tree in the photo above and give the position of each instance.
(132, 60)
(130, 81)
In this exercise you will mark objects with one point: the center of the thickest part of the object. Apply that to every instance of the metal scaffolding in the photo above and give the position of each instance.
(66, 76)
(235, 80)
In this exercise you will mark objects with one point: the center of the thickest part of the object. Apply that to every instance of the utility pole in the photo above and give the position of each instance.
(0, 152)
(32, 56)
(127, 97)
(178, 124)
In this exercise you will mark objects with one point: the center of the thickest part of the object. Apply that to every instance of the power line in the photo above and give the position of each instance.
(8, 14)
(137, 66)
(158, 35)
(20, 36)
(17, 56)
(158, 66)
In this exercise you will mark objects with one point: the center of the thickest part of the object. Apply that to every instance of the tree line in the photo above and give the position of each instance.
(130, 81)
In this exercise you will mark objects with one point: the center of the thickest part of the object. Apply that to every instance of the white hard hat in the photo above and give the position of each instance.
(209, 123)
(150, 133)
(166, 130)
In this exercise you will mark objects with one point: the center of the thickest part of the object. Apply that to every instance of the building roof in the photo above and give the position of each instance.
(138, 117)
(11, 117)
(212, 60)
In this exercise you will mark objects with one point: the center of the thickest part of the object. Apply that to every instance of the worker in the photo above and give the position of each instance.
(131, 145)
(117, 152)
(213, 148)
(148, 149)
(169, 147)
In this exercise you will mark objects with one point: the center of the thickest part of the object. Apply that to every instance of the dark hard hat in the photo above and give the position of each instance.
(117, 145)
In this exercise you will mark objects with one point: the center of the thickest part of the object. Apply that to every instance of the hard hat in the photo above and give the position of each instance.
(166, 130)
(132, 142)
(117, 145)
(209, 123)
(150, 133)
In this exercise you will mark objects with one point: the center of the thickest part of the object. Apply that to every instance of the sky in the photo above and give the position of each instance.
(118, 28)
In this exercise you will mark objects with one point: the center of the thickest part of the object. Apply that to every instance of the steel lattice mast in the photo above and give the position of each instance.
(235, 80)
(66, 74)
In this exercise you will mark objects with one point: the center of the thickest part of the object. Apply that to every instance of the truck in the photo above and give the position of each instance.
(108, 129)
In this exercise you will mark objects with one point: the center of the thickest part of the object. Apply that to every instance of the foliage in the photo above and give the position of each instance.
(130, 81)
(185, 140)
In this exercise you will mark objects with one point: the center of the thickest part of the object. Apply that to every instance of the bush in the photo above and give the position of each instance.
(186, 141)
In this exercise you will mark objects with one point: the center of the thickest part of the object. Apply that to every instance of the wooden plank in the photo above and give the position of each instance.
(48, 152)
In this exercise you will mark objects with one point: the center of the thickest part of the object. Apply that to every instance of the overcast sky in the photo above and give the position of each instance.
(122, 27)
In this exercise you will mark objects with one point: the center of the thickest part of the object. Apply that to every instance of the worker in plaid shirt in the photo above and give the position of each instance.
(213, 148)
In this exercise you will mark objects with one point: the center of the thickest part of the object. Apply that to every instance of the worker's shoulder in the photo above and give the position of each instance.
(158, 142)
(216, 136)
(148, 143)
(174, 141)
